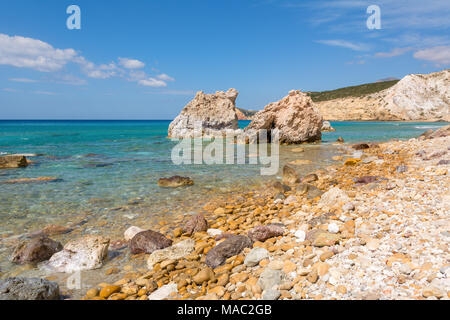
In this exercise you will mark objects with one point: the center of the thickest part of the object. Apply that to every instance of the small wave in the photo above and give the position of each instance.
(3, 153)
(426, 127)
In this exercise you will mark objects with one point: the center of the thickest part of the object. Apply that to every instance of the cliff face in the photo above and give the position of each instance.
(415, 97)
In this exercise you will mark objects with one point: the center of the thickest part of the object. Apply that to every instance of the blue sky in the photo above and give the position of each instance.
(141, 59)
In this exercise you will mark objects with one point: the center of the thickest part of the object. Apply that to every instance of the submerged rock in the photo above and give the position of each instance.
(86, 253)
(294, 116)
(196, 223)
(148, 241)
(340, 140)
(216, 112)
(32, 180)
(175, 181)
(360, 146)
(28, 289)
(13, 161)
(262, 233)
(131, 232)
(310, 178)
(290, 175)
(281, 187)
(228, 248)
(366, 179)
(35, 250)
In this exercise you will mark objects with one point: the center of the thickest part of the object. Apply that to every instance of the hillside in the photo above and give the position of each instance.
(244, 114)
(420, 97)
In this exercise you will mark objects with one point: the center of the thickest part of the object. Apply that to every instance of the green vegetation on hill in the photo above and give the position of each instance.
(354, 91)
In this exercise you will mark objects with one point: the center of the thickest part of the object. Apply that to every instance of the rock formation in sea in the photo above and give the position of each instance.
(13, 161)
(415, 97)
(216, 112)
(294, 116)
(326, 126)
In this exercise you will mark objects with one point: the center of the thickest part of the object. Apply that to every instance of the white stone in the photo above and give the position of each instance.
(214, 232)
(177, 251)
(255, 256)
(333, 228)
(300, 235)
(131, 232)
(164, 292)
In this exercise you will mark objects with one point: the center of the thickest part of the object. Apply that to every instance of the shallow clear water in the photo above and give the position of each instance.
(108, 173)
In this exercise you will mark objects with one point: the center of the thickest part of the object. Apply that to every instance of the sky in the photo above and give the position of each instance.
(146, 59)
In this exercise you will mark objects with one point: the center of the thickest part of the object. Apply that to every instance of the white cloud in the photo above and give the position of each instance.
(393, 53)
(152, 82)
(9, 90)
(344, 44)
(439, 55)
(131, 63)
(23, 80)
(165, 77)
(24, 52)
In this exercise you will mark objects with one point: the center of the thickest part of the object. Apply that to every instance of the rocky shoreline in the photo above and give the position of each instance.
(373, 227)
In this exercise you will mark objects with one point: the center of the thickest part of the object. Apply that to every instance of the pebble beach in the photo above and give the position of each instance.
(372, 227)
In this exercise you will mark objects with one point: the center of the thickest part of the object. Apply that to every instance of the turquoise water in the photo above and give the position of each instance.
(108, 172)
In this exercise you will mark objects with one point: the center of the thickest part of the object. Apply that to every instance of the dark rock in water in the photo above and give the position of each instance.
(310, 178)
(309, 190)
(443, 162)
(196, 223)
(35, 250)
(290, 175)
(340, 139)
(367, 179)
(13, 161)
(97, 165)
(175, 181)
(28, 289)
(281, 187)
(401, 168)
(262, 233)
(148, 241)
(226, 249)
(360, 146)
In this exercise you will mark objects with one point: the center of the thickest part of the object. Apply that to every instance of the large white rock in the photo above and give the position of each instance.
(177, 251)
(217, 113)
(294, 116)
(86, 253)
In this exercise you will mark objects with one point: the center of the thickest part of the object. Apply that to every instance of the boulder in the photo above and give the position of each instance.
(215, 112)
(431, 134)
(86, 253)
(290, 175)
(340, 140)
(196, 223)
(35, 250)
(13, 161)
(294, 116)
(28, 289)
(228, 248)
(148, 241)
(175, 252)
(262, 233)
(175, 181)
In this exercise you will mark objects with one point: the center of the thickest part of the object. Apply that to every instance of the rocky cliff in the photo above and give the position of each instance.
(216, 112)
(420, 97)
(294, 116)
